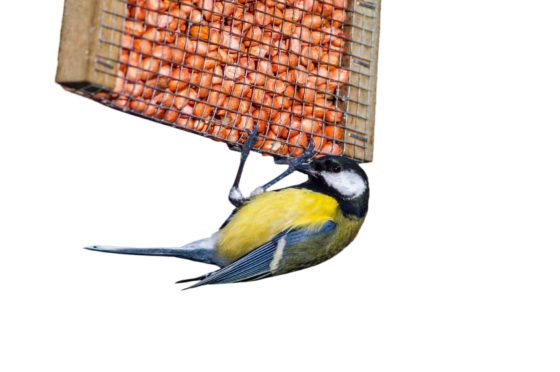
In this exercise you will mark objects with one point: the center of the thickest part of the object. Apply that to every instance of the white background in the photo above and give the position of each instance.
(456, 267)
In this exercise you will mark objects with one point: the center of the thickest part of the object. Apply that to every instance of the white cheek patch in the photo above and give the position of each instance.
(347, 183)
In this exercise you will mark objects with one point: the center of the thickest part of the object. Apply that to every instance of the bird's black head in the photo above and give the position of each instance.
(342, 178)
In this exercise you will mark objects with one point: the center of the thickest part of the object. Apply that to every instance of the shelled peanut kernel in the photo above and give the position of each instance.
(222, 67)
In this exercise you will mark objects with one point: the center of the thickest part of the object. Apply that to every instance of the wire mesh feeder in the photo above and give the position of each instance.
(297, 69)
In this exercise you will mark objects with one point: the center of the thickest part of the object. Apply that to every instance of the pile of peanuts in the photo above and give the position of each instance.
(222, 67)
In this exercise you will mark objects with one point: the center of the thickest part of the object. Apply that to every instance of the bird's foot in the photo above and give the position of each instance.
(235, 196)
(305, 157)
(250, 142)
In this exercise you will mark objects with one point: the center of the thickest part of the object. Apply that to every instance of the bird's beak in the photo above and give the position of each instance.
(306, 168)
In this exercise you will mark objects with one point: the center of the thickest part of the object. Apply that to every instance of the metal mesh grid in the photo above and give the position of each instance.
(297, 69)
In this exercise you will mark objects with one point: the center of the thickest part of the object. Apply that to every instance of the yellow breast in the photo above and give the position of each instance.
(270, 213)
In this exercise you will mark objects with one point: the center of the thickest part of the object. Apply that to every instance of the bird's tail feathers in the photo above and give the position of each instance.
(200, 250)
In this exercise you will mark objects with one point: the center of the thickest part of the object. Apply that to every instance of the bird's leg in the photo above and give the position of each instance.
(293, 163)
(235, 196)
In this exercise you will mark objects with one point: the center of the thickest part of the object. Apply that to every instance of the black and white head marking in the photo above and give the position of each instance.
(343, 179)
(347, 182)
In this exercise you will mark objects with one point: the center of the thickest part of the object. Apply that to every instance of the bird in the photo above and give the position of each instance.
(276, 232)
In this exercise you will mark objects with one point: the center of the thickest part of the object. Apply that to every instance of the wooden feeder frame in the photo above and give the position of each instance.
(88, 63)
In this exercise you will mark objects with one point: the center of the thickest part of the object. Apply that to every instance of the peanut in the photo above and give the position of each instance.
(334, 132)
(331, 148)
(224, 67)
(300, 140)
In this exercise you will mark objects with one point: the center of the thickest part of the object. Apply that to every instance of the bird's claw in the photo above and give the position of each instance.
(235, 196)
(307, 155)
(250, 141)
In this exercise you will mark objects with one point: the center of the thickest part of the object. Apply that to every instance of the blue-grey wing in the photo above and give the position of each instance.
(262, 261)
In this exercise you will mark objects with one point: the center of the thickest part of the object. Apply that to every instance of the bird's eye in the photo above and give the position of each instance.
(336, 168)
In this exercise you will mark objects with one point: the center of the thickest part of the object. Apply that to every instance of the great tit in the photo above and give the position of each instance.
(276, 232)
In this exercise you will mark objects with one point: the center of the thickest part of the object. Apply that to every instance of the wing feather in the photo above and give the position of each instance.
(257, 263)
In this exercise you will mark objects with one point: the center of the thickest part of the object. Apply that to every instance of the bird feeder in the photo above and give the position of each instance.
(299, 70)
